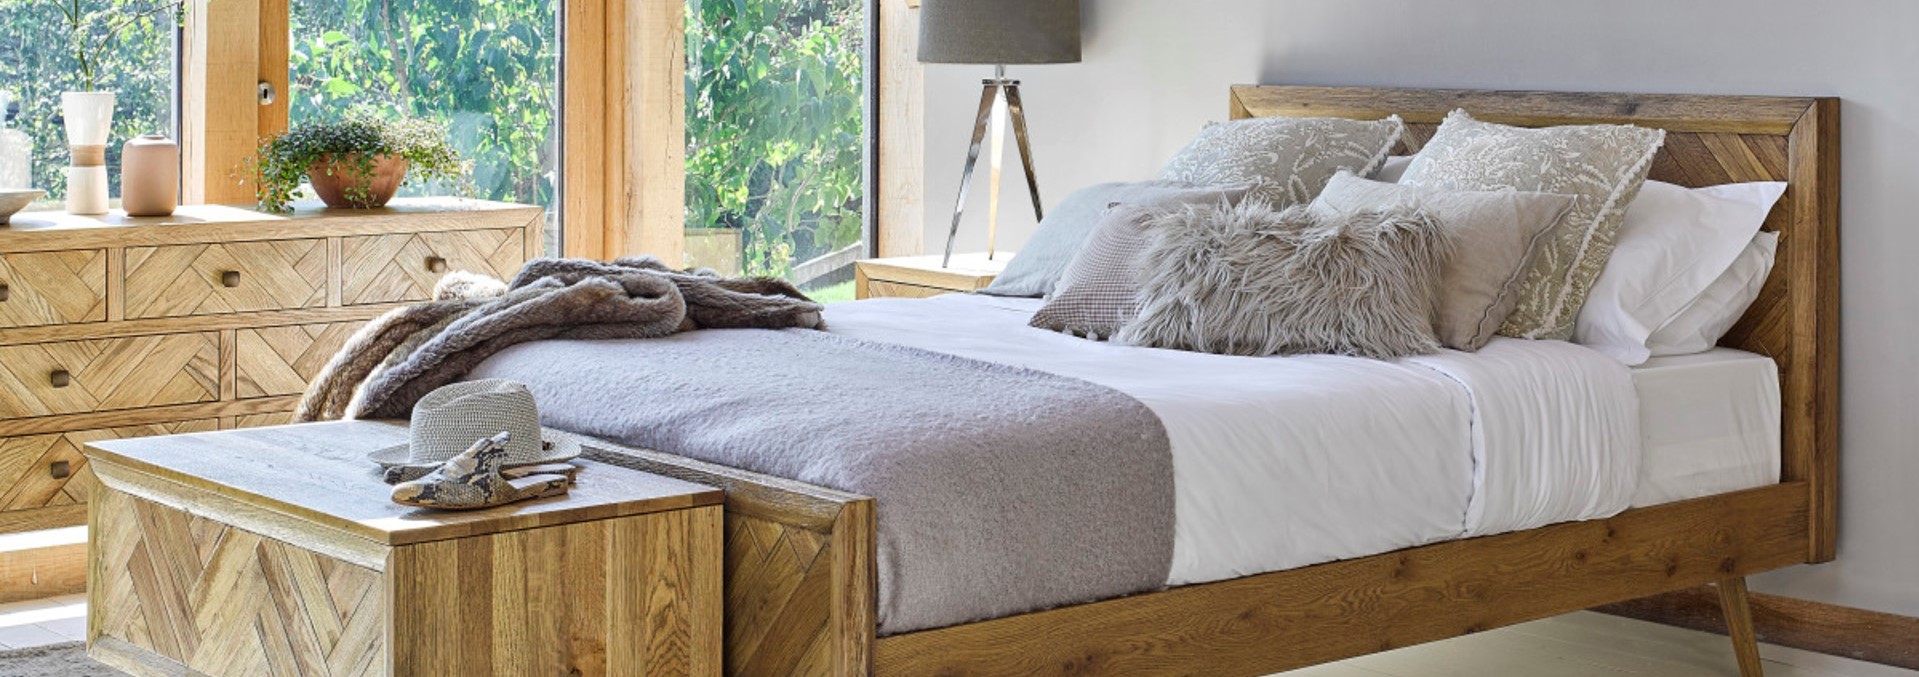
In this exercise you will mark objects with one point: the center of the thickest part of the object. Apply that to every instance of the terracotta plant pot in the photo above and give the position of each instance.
(388, 172)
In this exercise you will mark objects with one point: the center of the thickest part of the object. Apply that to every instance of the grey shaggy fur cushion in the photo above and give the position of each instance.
(1247, 280)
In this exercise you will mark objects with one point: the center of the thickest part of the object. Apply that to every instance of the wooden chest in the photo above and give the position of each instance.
(276, 551)
(213, 318)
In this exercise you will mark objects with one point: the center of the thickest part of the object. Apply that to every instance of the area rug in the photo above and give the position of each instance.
(53, 660)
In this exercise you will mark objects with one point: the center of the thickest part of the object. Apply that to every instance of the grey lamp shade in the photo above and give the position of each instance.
(999, 31)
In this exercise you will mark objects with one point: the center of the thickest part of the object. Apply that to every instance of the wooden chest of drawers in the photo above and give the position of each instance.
(213, 318)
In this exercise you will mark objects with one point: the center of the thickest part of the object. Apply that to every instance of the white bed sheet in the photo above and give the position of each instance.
(1709, 424)
(1282, 462)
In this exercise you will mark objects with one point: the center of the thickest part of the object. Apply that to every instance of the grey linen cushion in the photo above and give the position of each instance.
(1036, 269)
(1250, 281)
(1287, 159)
(1494, 235)
(1604, 165)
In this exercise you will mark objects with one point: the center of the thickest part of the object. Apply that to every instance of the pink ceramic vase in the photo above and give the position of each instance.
(150, 176)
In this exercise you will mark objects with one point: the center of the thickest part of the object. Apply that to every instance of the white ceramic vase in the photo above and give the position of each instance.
(89, 117)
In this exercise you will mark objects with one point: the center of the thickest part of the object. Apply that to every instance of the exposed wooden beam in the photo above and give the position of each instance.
(901, 226)
(219, 116)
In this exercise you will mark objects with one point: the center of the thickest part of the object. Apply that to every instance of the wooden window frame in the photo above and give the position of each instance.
(623, 157)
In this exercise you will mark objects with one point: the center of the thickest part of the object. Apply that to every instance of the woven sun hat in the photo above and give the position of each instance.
(450, 420)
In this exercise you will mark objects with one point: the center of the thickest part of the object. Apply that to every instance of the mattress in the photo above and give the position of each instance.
(1283, 462)
(1708, 423)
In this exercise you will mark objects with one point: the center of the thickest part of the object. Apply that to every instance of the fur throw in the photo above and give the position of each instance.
(1246, 280)
(400, 357)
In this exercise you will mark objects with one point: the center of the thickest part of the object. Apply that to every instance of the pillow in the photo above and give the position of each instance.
(1673, 243)
(1494, 234)
(1037, 267)
(1250, 281)
(1287, 159)
(1393, 168)
(1602, 164)
(1097, 294)
(1701, 324)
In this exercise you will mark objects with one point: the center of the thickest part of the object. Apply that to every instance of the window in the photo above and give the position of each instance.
(776, 139)
(487, 69)
(134, 47)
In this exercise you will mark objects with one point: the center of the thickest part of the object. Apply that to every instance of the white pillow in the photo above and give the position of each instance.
(1393, 168)
(1672, 245)
(1700, 326)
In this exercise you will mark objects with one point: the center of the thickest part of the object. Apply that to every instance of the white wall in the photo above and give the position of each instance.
(1155, 70)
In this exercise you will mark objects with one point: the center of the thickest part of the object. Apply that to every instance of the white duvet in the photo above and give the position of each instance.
(1282, 462)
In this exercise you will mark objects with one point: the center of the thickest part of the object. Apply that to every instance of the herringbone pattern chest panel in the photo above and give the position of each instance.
(67, 377)
(405, 267)
(281, 360)
(233, 277)
(45, 288)
(38, 471)
(225, 601)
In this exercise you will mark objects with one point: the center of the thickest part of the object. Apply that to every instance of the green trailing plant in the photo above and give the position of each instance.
(353, 144)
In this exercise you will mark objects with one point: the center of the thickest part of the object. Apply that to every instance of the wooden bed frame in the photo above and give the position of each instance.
(800, 569)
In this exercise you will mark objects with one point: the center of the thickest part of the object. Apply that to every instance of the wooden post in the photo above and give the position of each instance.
(220, 117)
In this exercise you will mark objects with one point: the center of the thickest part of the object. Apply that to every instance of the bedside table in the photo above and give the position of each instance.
(276, 550)
(916, 277)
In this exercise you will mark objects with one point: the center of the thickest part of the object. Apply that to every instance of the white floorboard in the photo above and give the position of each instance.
(1574, 645)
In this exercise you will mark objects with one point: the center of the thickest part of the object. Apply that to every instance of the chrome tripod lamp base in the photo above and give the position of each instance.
(999, 101)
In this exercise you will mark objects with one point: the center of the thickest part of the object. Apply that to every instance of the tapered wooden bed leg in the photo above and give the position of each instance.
(1745, 644)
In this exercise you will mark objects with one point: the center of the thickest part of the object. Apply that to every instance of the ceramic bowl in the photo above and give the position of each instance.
(12, 201)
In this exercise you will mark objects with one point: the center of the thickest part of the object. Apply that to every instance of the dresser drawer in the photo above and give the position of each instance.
(405, 266)
(46, 288)
(231, 277)
(45, 470)
(282, 360)
(70, 377)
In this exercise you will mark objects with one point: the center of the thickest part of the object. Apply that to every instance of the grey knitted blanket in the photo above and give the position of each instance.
(999, 489)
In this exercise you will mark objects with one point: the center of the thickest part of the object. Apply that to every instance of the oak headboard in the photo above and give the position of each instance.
(1709, 140)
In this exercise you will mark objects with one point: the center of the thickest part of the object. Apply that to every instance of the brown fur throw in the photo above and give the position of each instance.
(400, 357)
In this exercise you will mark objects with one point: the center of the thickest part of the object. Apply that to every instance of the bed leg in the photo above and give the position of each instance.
(1745, 644)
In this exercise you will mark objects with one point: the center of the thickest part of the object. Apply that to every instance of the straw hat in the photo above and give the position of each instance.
(450, 420)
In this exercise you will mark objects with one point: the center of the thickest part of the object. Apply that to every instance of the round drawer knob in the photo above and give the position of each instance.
(435, 264)
(59, 378)
(230, 279)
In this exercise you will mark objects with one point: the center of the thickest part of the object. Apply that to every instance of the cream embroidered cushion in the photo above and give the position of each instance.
(1287, 159)
(1603, 165)
(1495, 234)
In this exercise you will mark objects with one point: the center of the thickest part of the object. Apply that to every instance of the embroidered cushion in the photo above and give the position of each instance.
(1603, 165)
(1287, 159)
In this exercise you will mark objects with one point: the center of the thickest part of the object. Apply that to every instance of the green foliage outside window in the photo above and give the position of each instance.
(775, 138)
(487, 71)
(40, 58)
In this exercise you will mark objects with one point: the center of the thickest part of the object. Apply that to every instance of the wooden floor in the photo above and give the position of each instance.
(1574, 645)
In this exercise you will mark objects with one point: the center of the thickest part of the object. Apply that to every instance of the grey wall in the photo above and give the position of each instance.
(1155, 70)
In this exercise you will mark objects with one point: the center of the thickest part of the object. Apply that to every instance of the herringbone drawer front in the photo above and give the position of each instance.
(225, 601)
(282, 360)
(44, 470)
(46, 288)
(405, 266)
(231, 277)
(69, 377)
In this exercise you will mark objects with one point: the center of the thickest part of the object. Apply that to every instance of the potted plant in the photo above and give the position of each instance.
(89, 112)
(357, 162)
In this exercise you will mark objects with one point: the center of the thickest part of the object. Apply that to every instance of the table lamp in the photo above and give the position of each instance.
(997, 32)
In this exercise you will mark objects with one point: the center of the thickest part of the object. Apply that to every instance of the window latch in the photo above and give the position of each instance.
(266, 93)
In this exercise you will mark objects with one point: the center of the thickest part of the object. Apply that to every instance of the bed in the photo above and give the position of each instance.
(1749, 488)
